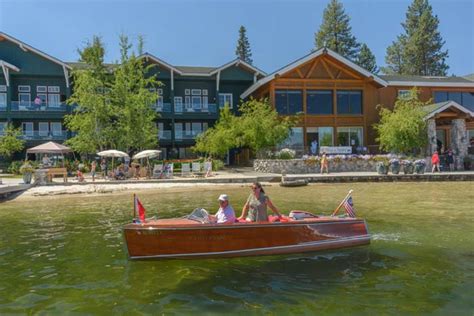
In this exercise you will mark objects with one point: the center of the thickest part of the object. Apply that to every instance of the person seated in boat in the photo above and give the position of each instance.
(225, 214)
(255, 209)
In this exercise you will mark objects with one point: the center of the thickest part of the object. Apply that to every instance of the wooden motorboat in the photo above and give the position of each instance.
(195, 237)
(294, 183)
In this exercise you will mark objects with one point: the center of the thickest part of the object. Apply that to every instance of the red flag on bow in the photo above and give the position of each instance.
(140, 208)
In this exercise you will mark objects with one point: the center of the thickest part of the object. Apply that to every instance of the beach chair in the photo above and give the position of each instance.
(158, 171)
(196, 169)
(208, 168)
(185, 169)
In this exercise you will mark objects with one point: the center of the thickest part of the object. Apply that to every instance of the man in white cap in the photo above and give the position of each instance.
(225, 214)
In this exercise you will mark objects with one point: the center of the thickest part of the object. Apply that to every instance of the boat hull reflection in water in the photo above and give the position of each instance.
(192, 238)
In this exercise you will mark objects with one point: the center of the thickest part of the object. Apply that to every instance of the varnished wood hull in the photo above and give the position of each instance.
(181, 238)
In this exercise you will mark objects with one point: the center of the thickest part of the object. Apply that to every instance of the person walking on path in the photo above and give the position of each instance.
(324, 163)
(435, 162)
(450, 159)
(93, 167)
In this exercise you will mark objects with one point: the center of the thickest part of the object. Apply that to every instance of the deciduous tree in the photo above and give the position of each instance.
(10, 141)
(403, 130)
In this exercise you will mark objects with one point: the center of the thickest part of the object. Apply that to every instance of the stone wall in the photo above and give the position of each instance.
(300, 166)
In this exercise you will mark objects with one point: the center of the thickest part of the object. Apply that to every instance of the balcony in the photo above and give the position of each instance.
(44, 135)
(164, 135)
(211, 109)
(186, 135)
(25, 106)
(162, 108)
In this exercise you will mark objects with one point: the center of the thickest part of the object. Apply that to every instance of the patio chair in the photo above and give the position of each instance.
(169, 171)
(196, 168)
(158, 171)
(185, 169)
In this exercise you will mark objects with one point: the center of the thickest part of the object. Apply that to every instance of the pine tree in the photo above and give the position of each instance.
(243, 50)
(394, 59)
(366, 59)
(335, 32)
(421, 45)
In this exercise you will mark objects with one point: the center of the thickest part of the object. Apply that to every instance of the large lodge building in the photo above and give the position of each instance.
(335, 98)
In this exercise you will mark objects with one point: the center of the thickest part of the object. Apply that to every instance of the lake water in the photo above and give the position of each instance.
(63, 253)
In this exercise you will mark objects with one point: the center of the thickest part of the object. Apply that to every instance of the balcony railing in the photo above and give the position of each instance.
(186, 135)
(165, 107)
(211, 108)
(32, 107)
(165, 135)
(44, 135)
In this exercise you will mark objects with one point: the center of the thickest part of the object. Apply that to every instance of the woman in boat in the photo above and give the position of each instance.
(255, 209)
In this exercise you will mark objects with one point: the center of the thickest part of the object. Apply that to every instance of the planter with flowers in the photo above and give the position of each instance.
(27, 171)
(394, 165)
(420, 166)
(408, 167)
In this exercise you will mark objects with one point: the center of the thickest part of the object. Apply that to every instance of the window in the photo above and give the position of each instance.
(187, 92)
(323, 136)
(24, 99)
(288, 101)
(178, 104)
(403, 94)
(43, 97)
(204, 91)
(24, 89)
(53, 100)
(43, 128)
(56, 128)
(187, 103)
(196, 91)
(349, 136)
(349, 102)
(3, 127)
(3, 100)
(178, 130)
(465, 99)
(196, 103)
(294, 140)
(3, 88)
(470, 137)
(205, 103)
(27, 128)
(159, 101)
(160, 91)
(53, 89)
(319, 102)
(225, 98)
(41, 89)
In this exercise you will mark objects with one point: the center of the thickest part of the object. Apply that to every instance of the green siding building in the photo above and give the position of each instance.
(34, 87)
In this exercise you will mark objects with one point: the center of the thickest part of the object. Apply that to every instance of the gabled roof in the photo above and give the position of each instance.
(237, 62)
(161, 62)
(427, 81)
(436, 108)
(27, 47)
(307, 58)
(469, 77)
(8, 65)
(196, 69)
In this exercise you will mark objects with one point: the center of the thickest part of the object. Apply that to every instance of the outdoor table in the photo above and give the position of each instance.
(55, 172)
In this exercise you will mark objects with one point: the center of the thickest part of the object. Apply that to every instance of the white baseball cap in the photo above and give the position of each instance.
(223, 197)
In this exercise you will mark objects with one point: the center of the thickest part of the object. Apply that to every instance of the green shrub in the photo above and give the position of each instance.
(15, 167)
(217, 164)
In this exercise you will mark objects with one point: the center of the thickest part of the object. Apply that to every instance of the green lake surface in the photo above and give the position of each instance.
(67, 254)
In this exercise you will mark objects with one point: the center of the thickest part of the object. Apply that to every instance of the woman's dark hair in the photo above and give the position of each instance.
(258, 185)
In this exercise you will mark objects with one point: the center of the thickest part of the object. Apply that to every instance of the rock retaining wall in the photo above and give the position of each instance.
(301, 166)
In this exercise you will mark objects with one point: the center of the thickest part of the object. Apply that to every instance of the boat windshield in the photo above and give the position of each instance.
(199, 215)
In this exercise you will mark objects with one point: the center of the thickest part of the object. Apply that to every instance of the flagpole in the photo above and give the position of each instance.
(340, 205)
(134, 206)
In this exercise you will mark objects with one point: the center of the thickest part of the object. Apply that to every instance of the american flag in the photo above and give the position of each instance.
(349, 206)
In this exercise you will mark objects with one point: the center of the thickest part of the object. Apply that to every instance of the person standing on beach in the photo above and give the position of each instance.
(93, 167)
(103, 168)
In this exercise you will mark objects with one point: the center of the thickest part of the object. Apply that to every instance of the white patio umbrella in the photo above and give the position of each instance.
(151, 153)
(147, 154)
(112, 153)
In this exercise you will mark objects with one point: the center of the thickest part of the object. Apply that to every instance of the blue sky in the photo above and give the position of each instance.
(204, 33)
